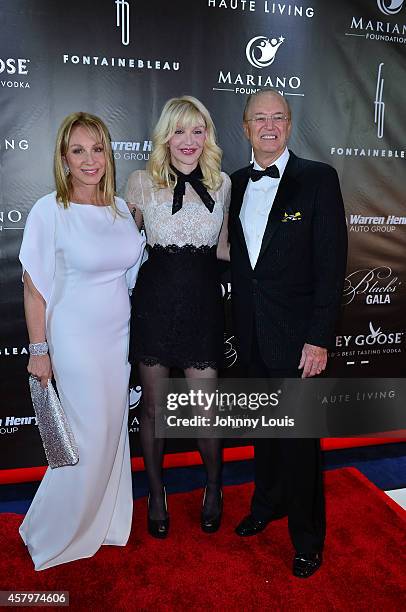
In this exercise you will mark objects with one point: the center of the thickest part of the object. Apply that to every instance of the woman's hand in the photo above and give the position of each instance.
(136, 215)
(40, 367)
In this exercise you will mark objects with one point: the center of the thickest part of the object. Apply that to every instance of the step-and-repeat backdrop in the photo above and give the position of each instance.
(342, 66)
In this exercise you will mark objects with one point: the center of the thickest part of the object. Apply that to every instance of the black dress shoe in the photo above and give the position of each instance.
(250, 526)
(211, 523)
(305, 564)
(158, 528)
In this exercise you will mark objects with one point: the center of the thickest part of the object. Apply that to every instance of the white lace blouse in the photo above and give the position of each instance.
(193, 225)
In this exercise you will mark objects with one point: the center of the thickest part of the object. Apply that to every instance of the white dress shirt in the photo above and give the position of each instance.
(257, 203)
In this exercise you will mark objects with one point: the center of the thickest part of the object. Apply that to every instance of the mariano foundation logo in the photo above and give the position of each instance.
(390, 8)
(134, 401)
(11, 219)
(261, 51)
(135, 395)
(380, 30)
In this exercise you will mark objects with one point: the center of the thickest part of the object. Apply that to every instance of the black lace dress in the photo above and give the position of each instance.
(177, 310)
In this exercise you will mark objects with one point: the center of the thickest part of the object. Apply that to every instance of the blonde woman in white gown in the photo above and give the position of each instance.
(80, 254)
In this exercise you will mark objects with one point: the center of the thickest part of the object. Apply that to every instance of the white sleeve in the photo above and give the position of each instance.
(37, 253)
(132, 273)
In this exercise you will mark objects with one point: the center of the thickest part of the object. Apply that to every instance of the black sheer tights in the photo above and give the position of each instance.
(153, 448)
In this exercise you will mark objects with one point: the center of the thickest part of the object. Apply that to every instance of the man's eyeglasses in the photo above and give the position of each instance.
(278, 118)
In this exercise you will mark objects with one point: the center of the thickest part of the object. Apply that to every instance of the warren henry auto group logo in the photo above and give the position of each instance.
(132, 150)
(11, 424)
(375, 224)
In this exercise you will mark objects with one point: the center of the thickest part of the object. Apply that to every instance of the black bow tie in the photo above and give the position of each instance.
(271, 171)
(195, 179)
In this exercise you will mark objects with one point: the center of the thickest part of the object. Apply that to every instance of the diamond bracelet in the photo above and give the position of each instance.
(38, 348)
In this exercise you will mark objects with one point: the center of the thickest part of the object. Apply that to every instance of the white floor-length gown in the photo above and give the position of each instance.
(83, 260)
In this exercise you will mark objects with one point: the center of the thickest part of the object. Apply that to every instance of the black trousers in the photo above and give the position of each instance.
(288, 476)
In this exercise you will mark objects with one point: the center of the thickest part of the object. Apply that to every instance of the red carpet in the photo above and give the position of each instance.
(364, 561)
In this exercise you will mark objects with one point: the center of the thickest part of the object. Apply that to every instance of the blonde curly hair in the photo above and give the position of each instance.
(184, 112)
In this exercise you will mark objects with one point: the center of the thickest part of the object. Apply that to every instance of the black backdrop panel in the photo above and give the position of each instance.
(340, 65)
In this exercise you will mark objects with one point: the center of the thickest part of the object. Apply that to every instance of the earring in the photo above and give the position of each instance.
(66, 169)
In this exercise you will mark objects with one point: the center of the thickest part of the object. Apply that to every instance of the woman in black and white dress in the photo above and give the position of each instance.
(182, 200)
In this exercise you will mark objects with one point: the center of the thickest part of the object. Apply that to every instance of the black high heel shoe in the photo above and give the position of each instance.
(158, 528)
(211, 523)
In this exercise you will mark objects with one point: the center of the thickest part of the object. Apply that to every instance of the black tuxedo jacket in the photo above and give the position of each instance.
(293, 294)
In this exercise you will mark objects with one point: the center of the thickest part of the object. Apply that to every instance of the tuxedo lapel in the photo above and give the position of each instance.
(239, 190)
(286, 190)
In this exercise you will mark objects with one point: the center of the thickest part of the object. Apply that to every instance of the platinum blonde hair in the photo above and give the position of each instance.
(184, 112)
(100, 132)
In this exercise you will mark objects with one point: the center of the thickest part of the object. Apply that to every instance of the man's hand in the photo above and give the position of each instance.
(313, 360)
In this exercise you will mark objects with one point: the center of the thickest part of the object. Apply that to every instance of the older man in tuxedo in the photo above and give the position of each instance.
(288, 256)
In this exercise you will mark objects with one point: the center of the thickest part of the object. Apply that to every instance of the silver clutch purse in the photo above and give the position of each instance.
(57, 436)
